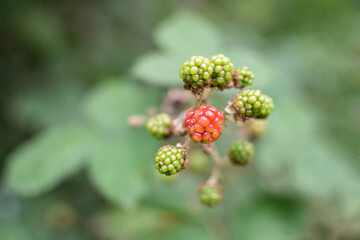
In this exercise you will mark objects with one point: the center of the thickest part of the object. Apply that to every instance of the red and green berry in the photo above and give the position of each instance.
(204, 124)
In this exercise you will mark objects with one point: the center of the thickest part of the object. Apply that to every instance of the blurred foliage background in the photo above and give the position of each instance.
(71, 72)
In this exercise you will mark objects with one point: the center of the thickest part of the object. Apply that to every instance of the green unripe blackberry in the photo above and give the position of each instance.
(170, 159)
(267, 107)
(223, 70)
(210, 194)
(255, 128)
(199, 161)
(241, 152)
(243, 77)
(160, 125)
(252, 103)
(196, 72)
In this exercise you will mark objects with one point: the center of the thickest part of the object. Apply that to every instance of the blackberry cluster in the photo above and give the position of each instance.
(241, 152)
(170, 159)
(252, 103)
(196, 72)
(243, 77)
(210, 195)
(204, 124)
(160, 125)
(223, 70)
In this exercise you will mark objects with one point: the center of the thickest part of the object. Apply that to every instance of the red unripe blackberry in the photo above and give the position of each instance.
(204, 124)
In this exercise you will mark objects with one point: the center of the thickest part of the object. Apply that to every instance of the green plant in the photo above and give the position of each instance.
(203, 124)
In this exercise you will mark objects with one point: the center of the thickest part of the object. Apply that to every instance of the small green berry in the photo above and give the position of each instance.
(223, 70)
(160, 125)
(243, 77)
(210, 194)
(241, 152)
(267, 107)
(196, 72)
(252, 103)
(255, 127)
(170, 159)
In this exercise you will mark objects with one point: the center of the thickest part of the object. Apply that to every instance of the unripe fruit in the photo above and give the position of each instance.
(243, 77)
(241, 152)
(223, 70)
(204, 124)
(196, 72)
(268, 107)
(210, 194)
(255, 127)
(160, 125)
(199, 161)
(170, 159)
(252, 103)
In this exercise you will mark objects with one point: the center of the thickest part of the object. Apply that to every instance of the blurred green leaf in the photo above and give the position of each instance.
(179, 37)
(187, 34)
(14, 230)
(270, 219)
(42, 162)
(125, 225)
(114, 171)
(46, 106)
(158, 69)
(112, 102)
(295, 157)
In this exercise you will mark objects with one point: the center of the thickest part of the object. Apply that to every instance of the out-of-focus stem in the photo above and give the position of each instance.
(214, 177)
(136, 121)
(217, 159)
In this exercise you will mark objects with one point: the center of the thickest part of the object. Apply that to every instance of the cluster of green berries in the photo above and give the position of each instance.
(243, 77)
(252, 103)
(223, 70)
(160, 125)
(170, 159)
(196, 72)
(199, 73)
(241, 152)
(210, 194)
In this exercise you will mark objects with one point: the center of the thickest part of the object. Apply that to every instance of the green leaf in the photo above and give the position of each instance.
(187, 34)
(296, 156)
(14, 230)
(114, 171)
(46, 106)
(179, 37)
(138, 224)
(112, 102)
(42, 162)
(159, 69)
(271, 219)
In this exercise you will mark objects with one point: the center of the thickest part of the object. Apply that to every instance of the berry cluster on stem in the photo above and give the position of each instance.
(203, 123)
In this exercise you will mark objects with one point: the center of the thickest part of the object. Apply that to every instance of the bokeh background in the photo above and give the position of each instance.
(71, 72)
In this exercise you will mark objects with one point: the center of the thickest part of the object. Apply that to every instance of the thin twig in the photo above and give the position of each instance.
(217, 159)
(214, 177)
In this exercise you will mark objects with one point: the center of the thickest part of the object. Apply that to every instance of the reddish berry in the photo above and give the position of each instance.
(204, 124)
